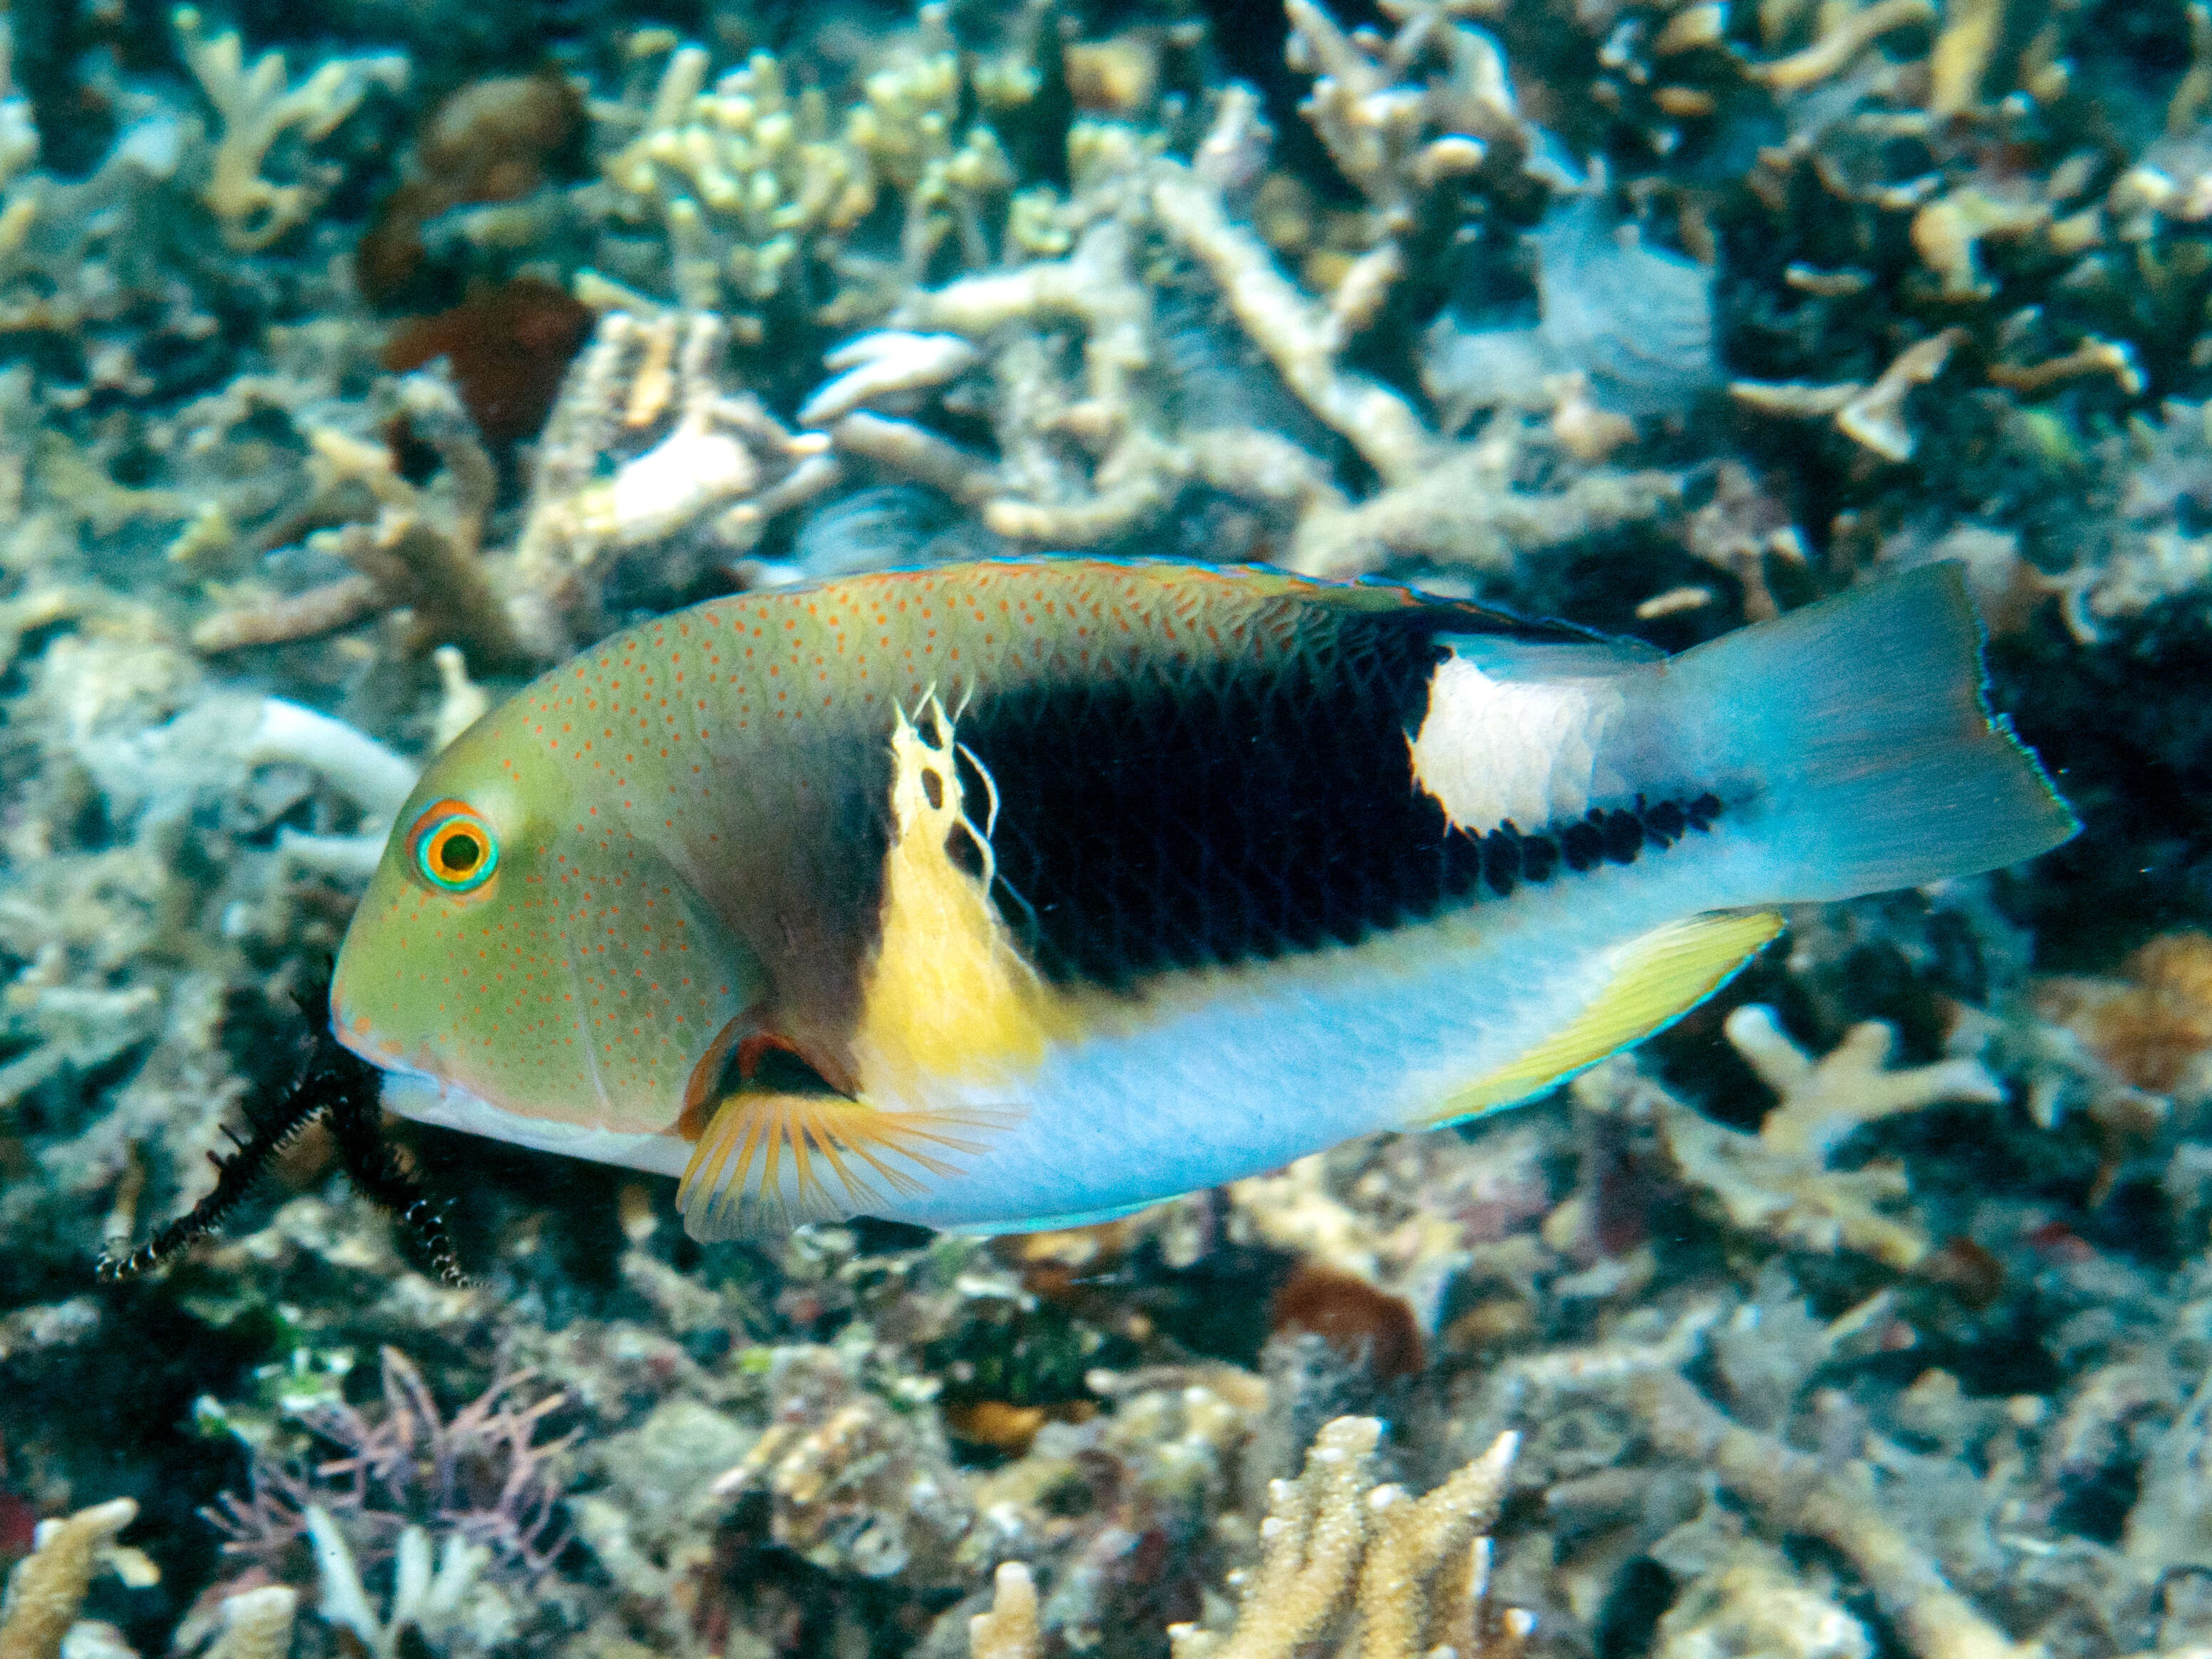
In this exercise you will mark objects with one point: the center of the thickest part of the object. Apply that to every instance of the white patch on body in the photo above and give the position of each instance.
(1535, 752)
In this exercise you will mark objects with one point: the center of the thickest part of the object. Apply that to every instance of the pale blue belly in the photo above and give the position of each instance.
(1239, 1073)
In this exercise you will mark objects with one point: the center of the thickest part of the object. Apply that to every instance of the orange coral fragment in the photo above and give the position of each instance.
(2152, 1031)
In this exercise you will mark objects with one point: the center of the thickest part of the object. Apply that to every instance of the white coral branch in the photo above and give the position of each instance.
(1824, 1100)
(257, 109)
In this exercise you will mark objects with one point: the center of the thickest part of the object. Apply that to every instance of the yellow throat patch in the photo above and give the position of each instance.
(948, 994)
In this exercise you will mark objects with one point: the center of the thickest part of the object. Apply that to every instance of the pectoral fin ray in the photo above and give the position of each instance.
(769, 1159)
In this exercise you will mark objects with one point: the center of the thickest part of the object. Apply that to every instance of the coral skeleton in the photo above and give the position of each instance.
(47, 1587)
(419, 552)
(646, 443)
(1780, 1180)
(1933, 1619)
(257, 110)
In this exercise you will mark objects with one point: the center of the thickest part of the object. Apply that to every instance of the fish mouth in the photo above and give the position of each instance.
(355, 1032)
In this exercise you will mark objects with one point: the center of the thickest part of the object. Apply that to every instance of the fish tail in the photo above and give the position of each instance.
(1861, 727)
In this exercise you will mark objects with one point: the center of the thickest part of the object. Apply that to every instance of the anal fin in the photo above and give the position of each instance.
(1657, 980)
(772, 1159)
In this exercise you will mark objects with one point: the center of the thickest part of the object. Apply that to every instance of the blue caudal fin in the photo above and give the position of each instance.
(1861, 723)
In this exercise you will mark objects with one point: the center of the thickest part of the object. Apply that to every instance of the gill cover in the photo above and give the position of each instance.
(539, 951)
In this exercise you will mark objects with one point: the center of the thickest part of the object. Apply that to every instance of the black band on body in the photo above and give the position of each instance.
(1181, 813)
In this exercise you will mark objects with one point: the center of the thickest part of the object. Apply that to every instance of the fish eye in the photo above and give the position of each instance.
(454, 849)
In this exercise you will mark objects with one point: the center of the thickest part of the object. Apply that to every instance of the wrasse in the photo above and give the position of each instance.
(1013, 895)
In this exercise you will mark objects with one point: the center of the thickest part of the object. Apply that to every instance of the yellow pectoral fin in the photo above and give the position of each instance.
(1656, 979)
(771, 1160)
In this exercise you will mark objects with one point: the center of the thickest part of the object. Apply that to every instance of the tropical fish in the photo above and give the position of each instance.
(1009, 895)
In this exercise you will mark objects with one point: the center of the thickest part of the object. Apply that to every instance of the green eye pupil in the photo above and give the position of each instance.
(459, 855)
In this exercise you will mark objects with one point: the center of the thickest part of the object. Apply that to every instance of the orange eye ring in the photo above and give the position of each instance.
(455, 850)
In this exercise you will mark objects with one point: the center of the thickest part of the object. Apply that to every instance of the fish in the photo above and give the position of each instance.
(1001, 895)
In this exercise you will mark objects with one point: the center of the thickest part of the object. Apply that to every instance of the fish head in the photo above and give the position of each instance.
(525, 940)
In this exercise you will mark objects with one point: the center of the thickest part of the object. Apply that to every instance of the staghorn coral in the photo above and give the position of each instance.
(46, 1589)
(1402, 117)
(1136, 476)
(1933, 1619)
(1300, 338)
(1333, 1541)
(646, 451)
(1781, 1180)
(257, 110)
(420, 551)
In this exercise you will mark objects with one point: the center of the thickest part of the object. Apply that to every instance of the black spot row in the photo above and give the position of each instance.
(1605, 836)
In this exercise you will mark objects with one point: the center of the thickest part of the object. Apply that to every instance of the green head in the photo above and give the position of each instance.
(524, 938)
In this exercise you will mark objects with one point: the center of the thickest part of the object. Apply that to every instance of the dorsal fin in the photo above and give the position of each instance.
(1503, 657)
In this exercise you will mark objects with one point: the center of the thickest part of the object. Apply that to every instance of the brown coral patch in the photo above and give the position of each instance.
(509, 348)
(493, 140)
(1362, 1323)
(2151, 1032)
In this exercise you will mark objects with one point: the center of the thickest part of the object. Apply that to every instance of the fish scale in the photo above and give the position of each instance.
(1063, 885)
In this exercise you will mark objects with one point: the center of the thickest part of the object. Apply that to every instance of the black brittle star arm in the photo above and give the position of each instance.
(338, 1085)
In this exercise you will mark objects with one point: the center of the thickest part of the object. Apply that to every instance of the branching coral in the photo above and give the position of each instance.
(47, 1590)
(739, 176)
(258, 110)
(757, 187)
(426, 1600)
(1335, 1544)
(1800, 1496)
(420, 551)
(647, 445)
(1403, 116)
(1138, 472)
(1465, 511)
(1303, 340)
(257, 1624)
(1087, 466)
(1779, 1181)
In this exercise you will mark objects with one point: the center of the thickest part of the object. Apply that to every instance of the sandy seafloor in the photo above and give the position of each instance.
(360, 358)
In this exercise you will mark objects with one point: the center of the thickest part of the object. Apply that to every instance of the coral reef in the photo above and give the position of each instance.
(360, 359)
